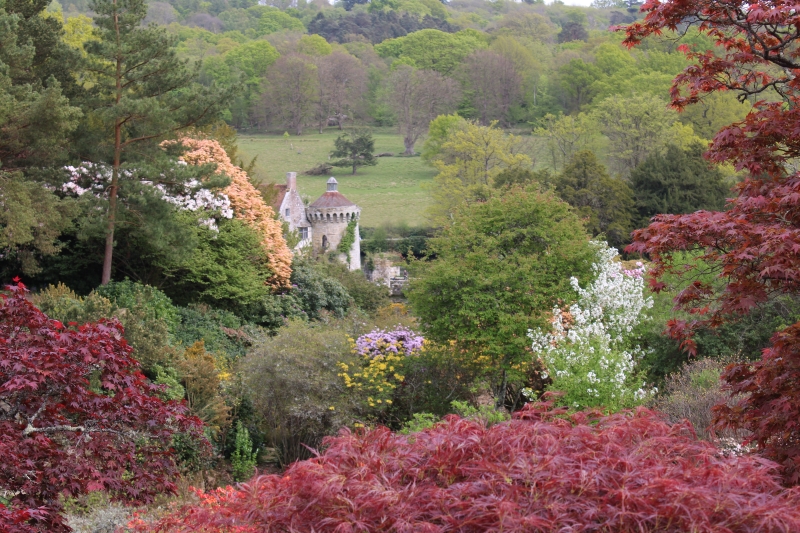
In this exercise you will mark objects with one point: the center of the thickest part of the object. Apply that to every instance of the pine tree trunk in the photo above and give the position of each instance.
(108, 255)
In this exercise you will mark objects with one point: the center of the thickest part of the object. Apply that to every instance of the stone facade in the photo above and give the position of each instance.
(325, 221)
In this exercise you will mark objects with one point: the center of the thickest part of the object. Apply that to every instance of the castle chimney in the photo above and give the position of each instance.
(332, 184)
(291, 181)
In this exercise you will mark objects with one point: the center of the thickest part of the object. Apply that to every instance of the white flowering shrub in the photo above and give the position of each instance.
(190, 196)
(590, 354)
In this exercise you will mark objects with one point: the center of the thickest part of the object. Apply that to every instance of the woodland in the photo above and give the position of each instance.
(601, 325)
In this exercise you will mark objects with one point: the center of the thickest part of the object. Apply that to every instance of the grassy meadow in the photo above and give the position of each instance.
(392, 192)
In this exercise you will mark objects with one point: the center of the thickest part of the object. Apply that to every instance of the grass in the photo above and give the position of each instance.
(392, 192)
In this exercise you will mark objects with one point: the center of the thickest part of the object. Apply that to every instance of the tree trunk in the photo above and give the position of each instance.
(500, 398)
(409, 144)
(108, 254)
(355, 165)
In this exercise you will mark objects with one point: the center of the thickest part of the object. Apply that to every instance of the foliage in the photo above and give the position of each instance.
(590, 354)
(605, 203)
(243, 458)
(247, 204)
(495, 272)
(31, 220)
(368, 296)
(375, 27)
(79, 415)
(439, 130)
(292, 381)
(201, 375)
(433, 49)
(538, 472)
(354, 150)
(487, 414)
(692, 392)
(141, 94)
(470, 159)
(677, 182)
(145, 313)
(750, 247)
(348, 239)
(316, 293)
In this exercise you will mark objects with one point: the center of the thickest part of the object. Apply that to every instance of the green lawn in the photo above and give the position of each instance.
(391, 192)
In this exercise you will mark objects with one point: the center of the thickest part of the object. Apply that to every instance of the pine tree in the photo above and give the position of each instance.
(355, 150)
(142, 93)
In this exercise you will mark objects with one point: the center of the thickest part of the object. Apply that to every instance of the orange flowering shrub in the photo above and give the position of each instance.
(248, 206)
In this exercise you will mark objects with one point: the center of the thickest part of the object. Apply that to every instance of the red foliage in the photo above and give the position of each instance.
(76, 415)
(541, 472)
(754, 246)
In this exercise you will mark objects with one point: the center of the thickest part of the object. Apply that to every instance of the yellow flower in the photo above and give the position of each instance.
(332, 408)
(389, 402)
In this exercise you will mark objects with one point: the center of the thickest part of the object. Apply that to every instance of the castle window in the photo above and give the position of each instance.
(286, 213)
(324, 242)
(303, 233)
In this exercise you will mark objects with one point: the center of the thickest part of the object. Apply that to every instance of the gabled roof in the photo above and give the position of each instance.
(332, 199)
(279, 196)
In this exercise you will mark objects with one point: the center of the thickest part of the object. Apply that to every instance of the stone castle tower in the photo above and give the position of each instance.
(329, 216)
(323, 224)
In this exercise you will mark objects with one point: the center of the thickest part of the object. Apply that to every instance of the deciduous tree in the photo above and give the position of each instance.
(492, 84)
(417, 97)
(752, 247)
(291, 91)
(342, 84)
(77, 415)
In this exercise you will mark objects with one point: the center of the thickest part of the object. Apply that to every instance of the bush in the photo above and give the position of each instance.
(544, 471)
(367, 295)
(297, 396)
(691, 393)
(243, 458)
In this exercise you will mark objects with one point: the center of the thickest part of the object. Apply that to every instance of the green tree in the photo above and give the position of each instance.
(274, 20)
(469, 161)
(566, 135)
(433, 49)
(604, 203)
(677, 182)
(31, 220)
(496, 271)
(354, 150)
(636, 126)
(577, 80)
(141, 94)
(243, 458)
(439, 130)
(35, 116)
(314, 45)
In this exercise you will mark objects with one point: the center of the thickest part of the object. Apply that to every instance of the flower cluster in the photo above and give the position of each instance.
(247, 204)
(380, 342)
(191, 196)
(384, 354)
(589, 354)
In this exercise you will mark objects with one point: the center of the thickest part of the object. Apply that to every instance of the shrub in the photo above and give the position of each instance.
(542, 472)
(243, 458)
(297, 397)
(691, 393)
(590, 355)
(76, 415)
(367, 295)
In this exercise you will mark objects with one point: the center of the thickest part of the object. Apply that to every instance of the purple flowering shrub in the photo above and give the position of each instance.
(401, 340)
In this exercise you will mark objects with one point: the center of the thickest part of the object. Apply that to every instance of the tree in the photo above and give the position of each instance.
(342, 85)
(566, 135)
(492, 84)
(577, 81)
(141, 94)
(572, 31)
(417, 97)
(36, 118)
(433, 49)
(355, 150)
(677, 182)
(636, 127)
(578, 456)
(31, 220)
(77, 416)
(470, 159)
(291, 91)
(751, 247)
(496, 271)
(604, 203)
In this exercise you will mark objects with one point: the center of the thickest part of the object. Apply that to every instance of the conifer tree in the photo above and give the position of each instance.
(141, 94)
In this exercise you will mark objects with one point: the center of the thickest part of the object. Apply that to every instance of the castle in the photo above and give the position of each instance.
(323, 224)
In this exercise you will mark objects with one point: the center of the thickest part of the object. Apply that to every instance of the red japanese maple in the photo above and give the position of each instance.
(541, 472)
(76, 415)
(754, 246)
